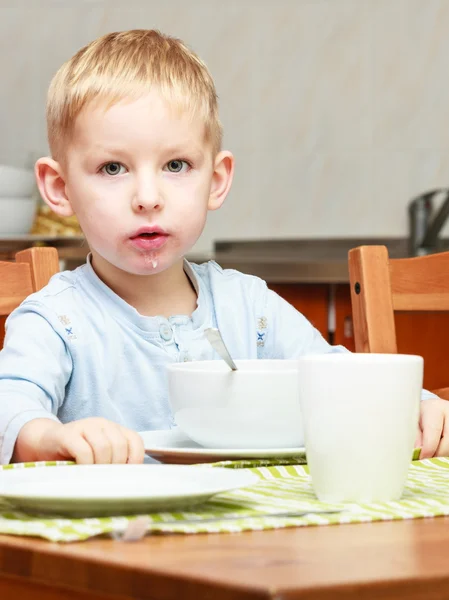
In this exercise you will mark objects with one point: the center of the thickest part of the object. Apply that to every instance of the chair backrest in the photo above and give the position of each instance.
(380, 286)
(31, 271)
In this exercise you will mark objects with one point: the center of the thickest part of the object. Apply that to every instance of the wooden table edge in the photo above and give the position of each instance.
(103, 574)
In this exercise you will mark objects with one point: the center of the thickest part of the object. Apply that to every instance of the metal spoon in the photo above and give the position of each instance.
(216, 341)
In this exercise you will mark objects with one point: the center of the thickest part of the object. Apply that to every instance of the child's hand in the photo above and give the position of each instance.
(433, 433)
(86, 441)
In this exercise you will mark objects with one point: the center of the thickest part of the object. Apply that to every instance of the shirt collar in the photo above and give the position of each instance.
(114, 304)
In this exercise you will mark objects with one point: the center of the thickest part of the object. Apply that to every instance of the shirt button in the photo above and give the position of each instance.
(166, 332)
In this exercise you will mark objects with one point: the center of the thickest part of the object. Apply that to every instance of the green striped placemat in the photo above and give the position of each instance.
(282, 487)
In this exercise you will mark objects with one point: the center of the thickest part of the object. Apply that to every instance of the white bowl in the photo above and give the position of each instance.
(17, 215)
(256, 406)
(15, 182)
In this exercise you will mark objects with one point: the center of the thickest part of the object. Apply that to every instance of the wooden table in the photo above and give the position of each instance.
(405, 559)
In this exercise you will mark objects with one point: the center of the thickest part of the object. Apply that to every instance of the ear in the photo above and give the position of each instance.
(51, 184)
(221, 179)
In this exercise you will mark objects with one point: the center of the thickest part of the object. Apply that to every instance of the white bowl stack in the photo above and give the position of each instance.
(17, 200)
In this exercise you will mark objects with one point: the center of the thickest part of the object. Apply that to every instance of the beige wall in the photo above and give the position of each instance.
(337, 110)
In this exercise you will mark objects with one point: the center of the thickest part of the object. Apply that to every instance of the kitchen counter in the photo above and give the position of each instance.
(298, 261)
(287, 269)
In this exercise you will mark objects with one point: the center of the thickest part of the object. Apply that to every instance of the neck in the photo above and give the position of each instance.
(167, 293)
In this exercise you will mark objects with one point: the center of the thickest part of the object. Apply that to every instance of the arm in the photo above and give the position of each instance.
(35, 366)
(29, 446)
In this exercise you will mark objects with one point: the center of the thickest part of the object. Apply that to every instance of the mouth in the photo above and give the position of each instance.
(148, 233)
(149, 238)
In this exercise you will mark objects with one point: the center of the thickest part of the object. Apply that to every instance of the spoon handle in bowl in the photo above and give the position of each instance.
(217, 343)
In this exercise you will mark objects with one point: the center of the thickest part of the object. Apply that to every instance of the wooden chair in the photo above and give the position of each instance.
(30, 272)
(380, 286)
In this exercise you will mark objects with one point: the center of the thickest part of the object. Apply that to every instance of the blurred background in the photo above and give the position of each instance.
(337, 112)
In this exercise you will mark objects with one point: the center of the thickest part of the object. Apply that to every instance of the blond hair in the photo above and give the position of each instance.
(124, 65)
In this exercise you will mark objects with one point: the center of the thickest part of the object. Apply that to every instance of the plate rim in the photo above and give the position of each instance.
(224, 452)
(218, 489)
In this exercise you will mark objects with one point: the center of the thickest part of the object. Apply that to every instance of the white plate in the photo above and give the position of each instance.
(104, 490)
(173, 446)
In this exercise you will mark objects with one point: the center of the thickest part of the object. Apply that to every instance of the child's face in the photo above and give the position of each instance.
(141, 178)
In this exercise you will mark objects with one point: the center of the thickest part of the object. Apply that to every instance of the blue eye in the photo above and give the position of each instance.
(177, 166)
(113, 168)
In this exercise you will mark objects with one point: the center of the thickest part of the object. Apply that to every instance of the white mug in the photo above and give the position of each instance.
(360, 414)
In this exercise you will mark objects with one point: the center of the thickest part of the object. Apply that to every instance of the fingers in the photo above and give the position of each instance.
(78, 449)
(418, 442)
(118, 444)
(418, 439)
(112, 444)
(136, 451)
(443, 446)
(98, 439)
(432, 423)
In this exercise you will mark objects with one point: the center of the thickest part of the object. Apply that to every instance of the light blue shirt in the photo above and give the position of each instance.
(75, 349)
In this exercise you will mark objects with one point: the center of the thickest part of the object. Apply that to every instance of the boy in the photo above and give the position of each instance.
(136, 152)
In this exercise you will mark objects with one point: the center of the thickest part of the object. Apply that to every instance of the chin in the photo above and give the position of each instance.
(150, 265)
(141, 264)
(142, 269)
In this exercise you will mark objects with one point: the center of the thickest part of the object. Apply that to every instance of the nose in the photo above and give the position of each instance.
(147, 194)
